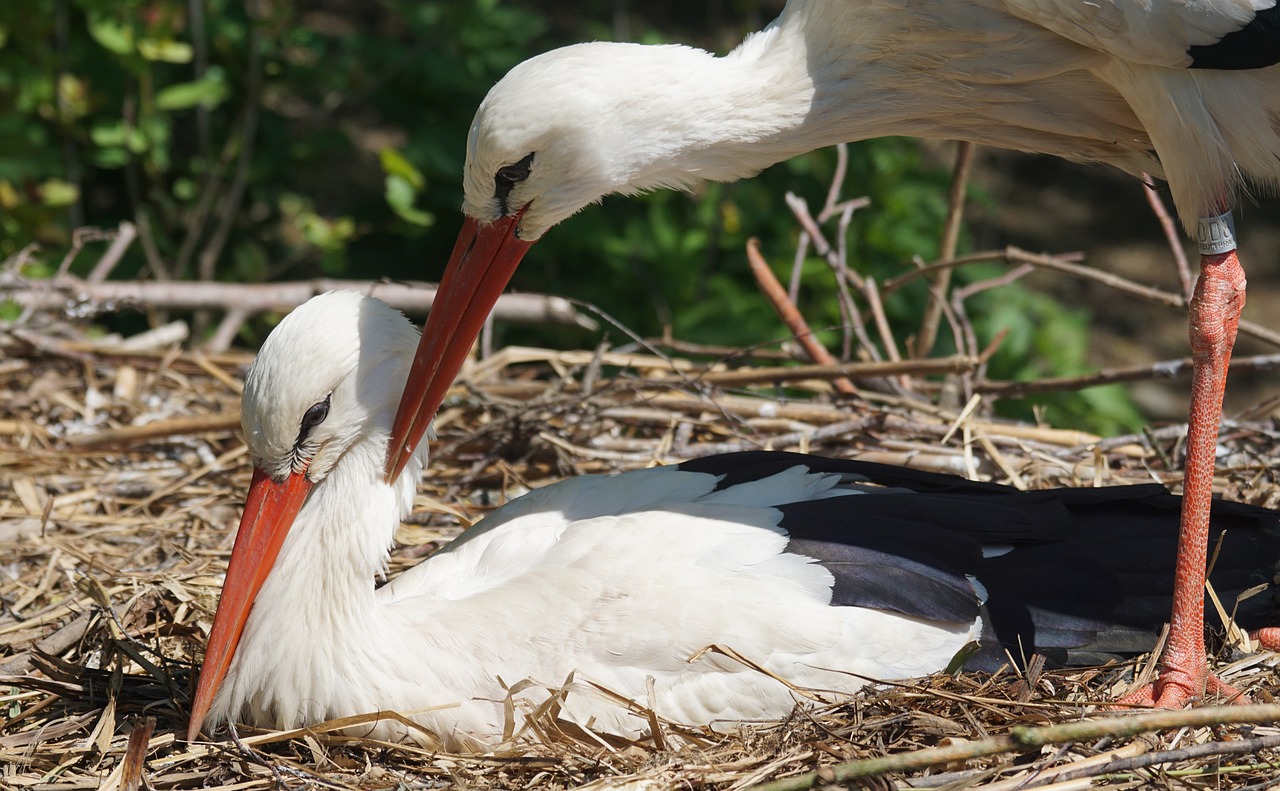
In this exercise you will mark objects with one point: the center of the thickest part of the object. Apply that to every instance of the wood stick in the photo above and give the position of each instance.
(790, 315)
(1160, 370)
(1022, 738)
(125, 235)
(1061, 264)
(412, 298)
(950, 238)
(1171, 234)
(944, 365)
(224, 421)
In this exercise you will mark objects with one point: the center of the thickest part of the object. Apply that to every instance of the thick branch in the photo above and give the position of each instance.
(252, 298)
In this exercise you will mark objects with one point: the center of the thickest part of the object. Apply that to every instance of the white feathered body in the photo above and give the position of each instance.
(614, 580)
(799, 572)
(1107, 82)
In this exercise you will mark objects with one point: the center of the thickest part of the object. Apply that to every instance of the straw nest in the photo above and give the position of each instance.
(120, 485)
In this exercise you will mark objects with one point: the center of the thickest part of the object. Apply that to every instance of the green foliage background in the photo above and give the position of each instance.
(270, 140)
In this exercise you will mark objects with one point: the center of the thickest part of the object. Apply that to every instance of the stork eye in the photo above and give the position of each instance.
(313, 417)
(507, 177)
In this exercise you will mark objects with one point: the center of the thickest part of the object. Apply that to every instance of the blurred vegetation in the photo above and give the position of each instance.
(270, 140)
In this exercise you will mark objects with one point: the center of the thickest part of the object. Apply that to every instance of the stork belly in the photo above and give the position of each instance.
(723, 691)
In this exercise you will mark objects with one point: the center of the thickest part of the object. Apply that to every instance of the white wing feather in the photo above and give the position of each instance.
(1154, 32)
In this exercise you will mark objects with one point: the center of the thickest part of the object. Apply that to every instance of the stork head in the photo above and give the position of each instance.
(565, 128)
(324, 382)
(557, 133)
(326, 377)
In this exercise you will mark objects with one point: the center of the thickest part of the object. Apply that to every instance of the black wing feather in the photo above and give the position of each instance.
(1084, 574)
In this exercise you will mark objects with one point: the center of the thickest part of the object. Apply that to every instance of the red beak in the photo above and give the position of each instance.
(482, 262)
(269, 512)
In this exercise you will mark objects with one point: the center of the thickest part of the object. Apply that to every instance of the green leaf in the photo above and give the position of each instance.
(10, 310)
(112, 35)
(395, 164)
(400, 197)
(56, 192)
(116, 135)
(165, 51)
(207, 92)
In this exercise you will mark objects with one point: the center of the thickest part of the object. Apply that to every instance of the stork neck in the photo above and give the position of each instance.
(339, 544)
(782, 92)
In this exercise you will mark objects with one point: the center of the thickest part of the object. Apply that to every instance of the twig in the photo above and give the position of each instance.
(848, 308)
(724, 353)
(872, 293)
(943, 365)
(246, 134)
(159, 270)
(950, 238)
(789, 439)
(66, 636)
(1171, 234)
(1134, 373)
(958, 298)
(1129, 763)
(1061, 264)
(226, 421)
(125, 234)
(79, 238)
(226, 331)
(837, 183)
(790, 315)
(1022, 738)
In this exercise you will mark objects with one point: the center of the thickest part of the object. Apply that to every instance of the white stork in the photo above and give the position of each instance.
(822, 572)
(1185, 89)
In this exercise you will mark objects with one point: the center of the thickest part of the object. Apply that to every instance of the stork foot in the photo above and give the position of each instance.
(1184, 683)
(1177, 688)
(1267, 638)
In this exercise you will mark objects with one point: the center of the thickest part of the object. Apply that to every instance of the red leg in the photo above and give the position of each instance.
(1215, 315)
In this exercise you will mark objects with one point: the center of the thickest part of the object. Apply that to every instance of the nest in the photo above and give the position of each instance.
(122, 477)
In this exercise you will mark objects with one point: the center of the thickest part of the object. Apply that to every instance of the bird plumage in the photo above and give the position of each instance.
(617, 580)
(1108, 82)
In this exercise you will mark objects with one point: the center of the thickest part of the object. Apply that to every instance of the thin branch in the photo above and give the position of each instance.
(834, 258)
(1022, 738)
(79, 238)
(227, 330)
(950, 238)
(961, 294)
(159, 429)
(1190, 752)
(247, 134)
(790, 439)
(125, 235)
(746, 376)
(1060, 263)
(1164, 369)
(790, 315)
(1172, 234)
(837, 183)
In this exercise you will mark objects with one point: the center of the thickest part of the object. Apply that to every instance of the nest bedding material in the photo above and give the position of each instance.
(121, 478)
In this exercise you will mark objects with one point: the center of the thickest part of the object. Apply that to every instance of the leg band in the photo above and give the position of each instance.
(1216, 235)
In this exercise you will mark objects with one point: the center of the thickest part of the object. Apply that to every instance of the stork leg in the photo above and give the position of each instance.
(1215, 315)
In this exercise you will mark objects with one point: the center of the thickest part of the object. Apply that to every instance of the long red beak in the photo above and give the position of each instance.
(269, 512)
(482, 262)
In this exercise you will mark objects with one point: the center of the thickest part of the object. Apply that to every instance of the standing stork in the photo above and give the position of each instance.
(823, 573)
(1186, 89)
